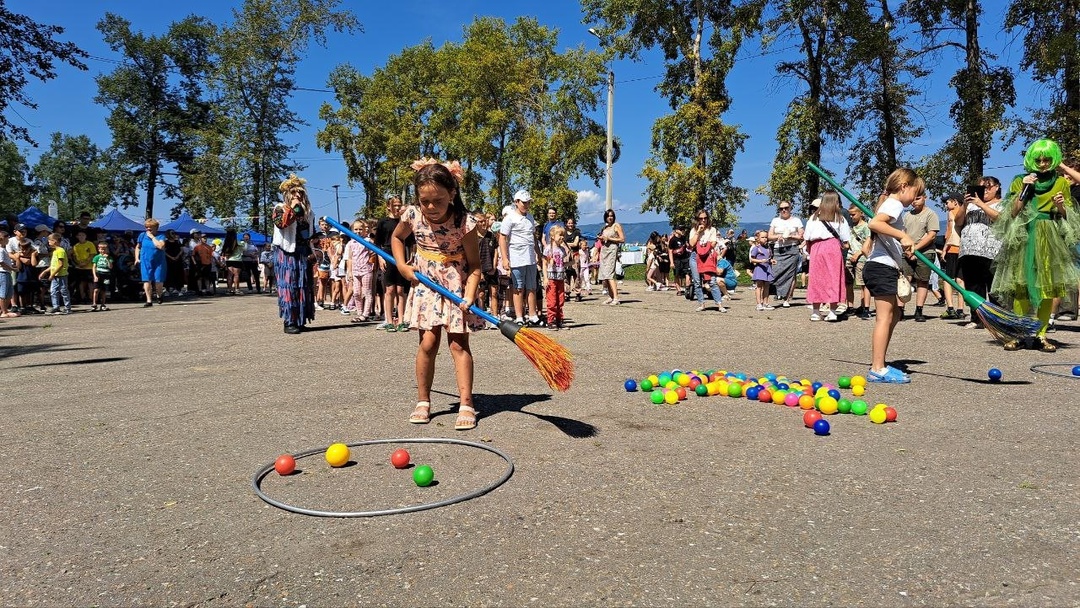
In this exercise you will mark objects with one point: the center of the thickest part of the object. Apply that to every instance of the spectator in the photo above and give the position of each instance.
(921, 225)
(827, 236)
(860, 236)
(517, 242)
(250, 259)
(573, 241)
(761, 263)
(610, 239)
(950, 255)
(57, 276)
(202, 256)
(101, 270)
(232, 258)
(150, 258)
(394, 285)
(679, 257)
(556, 259)
(551, 222)
(174, 263)
(7, 287)
(704, 246)
(786, 235)
(978, 244)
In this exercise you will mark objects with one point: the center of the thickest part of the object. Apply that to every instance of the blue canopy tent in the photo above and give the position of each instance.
(257, 239)
(34, 216)
(114, 221)
(185, 224)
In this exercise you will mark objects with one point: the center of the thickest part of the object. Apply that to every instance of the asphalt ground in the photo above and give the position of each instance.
(130, 439)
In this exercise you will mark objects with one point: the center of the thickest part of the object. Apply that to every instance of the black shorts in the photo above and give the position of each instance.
(682, 267)
(880, 279)
(81, 275)
(101, 284)
(232, 264)
(392, 277)
(952, 265)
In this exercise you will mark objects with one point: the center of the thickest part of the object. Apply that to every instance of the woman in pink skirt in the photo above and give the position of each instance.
(826, 236)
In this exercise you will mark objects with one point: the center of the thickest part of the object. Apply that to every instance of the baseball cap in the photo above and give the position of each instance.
(20, 227)
(194, 231)
(815, 203)
(41, 227)
(523, 196)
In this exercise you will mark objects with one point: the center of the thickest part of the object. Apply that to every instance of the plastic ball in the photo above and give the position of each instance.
(400, 458)
(994, 374)
(821, 427)
(835, 394)
(843, 406)
(694, 383)
(858, 381)
(877, 415)
(858, 407)
(752, 393)
(423, 476)
(683, 380)
(681, 392)
(778, 397)
(1076, 370)
(654, 380)
(764, 396)
(844, 382)
(701, 390)
(806, 402)
(646, 385)
(665, 378)
(285, 464)
(337, 455)
(809, 417)
(630, 385)
(671, 397)
(815, 386)
(783, 386)
(828, 406)
(657, 396)
(858, 390)
(890, 414)
(791, 399)
(734, 390)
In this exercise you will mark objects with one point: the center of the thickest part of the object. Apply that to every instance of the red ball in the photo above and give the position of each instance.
(681, 392)
(285, 464)
(810, 417)
(400, 459)
(890, 414)
(764, 396)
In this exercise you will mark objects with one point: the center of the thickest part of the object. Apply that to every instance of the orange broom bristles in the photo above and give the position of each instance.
(550, 358)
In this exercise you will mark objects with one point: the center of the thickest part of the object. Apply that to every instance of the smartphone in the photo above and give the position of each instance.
(976, 191)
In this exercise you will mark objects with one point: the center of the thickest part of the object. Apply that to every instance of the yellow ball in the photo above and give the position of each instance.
(683, 380)
(654, 379)
(857, 389)
(877, 415)
(671, 397)
(821, 392)
(858, 381)
(337, 455)
(827, 406)
(671, 385)
(778, 397)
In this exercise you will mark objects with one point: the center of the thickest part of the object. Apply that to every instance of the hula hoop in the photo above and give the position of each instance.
(256, 481)
(1038, 368)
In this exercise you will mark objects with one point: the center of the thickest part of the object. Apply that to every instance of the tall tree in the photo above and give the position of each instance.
(1051, 35)
(816, 115)
(693, 150)
(983, 91)
(75, 173)
(258, 57)
(28, 50)
(155, 101)
(14, 179)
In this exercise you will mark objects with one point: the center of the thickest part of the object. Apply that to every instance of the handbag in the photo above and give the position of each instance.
(903, 289)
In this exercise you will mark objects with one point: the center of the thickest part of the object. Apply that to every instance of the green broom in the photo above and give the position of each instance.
(1003, 324)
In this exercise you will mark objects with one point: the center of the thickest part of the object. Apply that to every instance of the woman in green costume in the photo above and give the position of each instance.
(1039, 231)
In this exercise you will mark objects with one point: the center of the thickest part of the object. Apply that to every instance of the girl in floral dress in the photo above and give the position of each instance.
(447, 252)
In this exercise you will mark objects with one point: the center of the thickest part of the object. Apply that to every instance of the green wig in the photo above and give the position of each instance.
(1043, 148)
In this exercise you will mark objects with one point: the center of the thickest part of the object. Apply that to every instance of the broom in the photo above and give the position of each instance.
(550, 358)
(1003, 324)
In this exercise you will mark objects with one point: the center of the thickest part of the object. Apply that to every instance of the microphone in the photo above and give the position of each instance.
(1027, 192)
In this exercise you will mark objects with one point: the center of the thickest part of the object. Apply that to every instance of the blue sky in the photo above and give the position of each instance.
(759, 99)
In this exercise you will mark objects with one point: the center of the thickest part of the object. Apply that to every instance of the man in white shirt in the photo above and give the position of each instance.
(517, 244)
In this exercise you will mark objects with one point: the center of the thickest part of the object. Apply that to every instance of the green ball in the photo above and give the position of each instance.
(657, 396)
(701, 390)
(844, 382)
(858, 407)
(423, 476)
(843, 406)
(665, 378)
(734, 390)
(645, 385)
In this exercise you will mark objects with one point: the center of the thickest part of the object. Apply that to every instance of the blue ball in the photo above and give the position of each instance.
(771, 376)
(783, 386)
(835, 394)
(994, 374)
(821, 427)
(815, 386)
(1076, 370)
(630, 385)
(752, 393)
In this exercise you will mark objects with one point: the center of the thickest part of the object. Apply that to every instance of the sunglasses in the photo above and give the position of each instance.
(785, 208)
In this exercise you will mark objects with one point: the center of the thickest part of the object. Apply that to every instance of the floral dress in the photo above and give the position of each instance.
(440, 256)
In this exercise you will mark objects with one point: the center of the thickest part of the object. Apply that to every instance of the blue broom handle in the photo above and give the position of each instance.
(869, 213)
(444, 292)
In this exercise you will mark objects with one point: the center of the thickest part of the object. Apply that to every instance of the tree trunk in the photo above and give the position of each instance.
(976, 148)
(151, 185)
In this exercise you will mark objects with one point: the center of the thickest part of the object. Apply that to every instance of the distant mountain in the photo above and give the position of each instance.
(639, 233)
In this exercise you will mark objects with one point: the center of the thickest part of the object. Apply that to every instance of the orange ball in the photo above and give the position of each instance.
(806, 402)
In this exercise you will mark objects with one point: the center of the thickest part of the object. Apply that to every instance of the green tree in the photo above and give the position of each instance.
(14, 179)
(1051, 36)
(693, 150)
(258, 55)
(983, 91)
(75, 173)
(28, 50)
(156, 103)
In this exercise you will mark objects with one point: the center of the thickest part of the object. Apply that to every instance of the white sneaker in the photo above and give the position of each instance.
(815, 317)
(831, 317)
(767, 307)
(722, 309)
(319, 307)
(761, 307)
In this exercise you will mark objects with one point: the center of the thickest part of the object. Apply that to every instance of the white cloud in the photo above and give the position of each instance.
(590, 204)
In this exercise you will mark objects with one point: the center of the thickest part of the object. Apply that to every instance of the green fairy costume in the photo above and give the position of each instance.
(1039, 259)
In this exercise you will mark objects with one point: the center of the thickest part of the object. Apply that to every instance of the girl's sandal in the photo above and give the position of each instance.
(466, 419)
(421, 413)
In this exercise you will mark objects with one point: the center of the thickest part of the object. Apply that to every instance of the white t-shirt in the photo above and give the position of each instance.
(520, 233)
(787, 229)
(816, 230)
(887, 249)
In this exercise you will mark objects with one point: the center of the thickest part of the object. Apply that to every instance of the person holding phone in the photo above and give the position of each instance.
(978, 244)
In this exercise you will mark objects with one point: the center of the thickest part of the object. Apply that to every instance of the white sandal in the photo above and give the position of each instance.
(466, 418)
(421, 413)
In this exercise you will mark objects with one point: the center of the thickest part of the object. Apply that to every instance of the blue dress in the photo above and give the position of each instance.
(151, 260)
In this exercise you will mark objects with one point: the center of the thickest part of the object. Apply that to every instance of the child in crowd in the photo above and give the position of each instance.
(729, 276)
(101, 268)
(860, 235)
(584, 266)
(360, 268)
(266, 258)
(7, 265)
(447, 252)
(826, 237)
(26, 277)
(556, 258)
(57, 275)
(489, 246)
(761, 263)
(890, 244)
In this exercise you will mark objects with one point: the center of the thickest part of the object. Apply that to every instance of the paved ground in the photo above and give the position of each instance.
(130, 439)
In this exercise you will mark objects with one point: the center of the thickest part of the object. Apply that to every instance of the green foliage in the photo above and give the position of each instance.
(75, 173)
(28, 50)
(14, 177)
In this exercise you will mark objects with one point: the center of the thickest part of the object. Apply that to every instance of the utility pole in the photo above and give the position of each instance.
(610, 151)
(337, 202)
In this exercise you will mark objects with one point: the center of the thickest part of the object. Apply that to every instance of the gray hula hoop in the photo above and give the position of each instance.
(1039, 368)
(256, 481)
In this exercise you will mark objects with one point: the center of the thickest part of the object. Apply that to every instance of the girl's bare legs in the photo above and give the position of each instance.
(425, 373)
(884, 324)
(463, 371)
